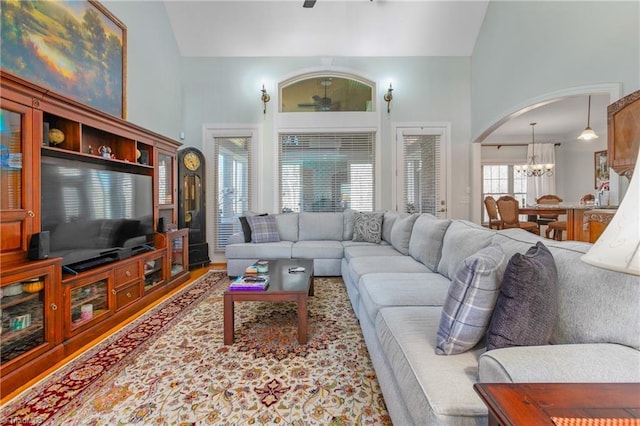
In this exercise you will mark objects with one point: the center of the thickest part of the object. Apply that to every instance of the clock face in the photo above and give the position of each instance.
(191, 161)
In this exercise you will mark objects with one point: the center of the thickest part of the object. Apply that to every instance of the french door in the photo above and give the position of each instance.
(421, 178)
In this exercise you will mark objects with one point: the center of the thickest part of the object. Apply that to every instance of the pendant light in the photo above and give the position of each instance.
(588, 133)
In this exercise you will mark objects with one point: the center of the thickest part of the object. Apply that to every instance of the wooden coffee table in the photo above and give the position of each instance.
(537, 403)
(283, 287)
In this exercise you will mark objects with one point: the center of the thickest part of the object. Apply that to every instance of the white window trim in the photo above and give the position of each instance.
(209, 132)
(442, 129)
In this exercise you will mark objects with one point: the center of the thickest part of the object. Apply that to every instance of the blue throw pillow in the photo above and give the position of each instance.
(263, 229)
(527, 306)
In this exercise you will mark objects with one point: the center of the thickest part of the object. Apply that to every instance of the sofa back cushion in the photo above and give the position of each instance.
(287, 226)
(388, 220)
(595, 305)
(348, 223)
(427, 236)
(462, 239)
(320, 226)
(401, 232)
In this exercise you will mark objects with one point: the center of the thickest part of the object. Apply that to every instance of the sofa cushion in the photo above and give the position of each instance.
(388, 219)
(279, 250)
(527, 306)
(461, 240)
(470, 302)
(317, 250)
(368, 227)
(320, 226)
(349, 220)
(382, 290)
(263, 229)
(589, 362)
(368, 249)
(426, 239)
(287, 226)
(401, 232)
(374, 264)
(438, 389)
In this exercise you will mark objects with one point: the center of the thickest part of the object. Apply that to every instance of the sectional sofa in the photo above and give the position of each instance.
(404, 289)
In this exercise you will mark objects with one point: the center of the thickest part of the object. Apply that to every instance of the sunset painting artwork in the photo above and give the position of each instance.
(74, 48)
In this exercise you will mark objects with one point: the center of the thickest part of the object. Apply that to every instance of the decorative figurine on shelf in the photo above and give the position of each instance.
(56, 137)
(105, 152)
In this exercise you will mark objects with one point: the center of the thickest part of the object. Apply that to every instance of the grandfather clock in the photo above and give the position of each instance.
(191, 204)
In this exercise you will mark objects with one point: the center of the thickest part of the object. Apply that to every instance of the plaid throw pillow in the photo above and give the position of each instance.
(472, 296)
(263, 229)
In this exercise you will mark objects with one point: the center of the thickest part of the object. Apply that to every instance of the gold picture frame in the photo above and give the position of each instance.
(75, 48)
(601, 169)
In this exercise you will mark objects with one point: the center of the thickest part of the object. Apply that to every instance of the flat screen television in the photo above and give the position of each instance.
(92, 209)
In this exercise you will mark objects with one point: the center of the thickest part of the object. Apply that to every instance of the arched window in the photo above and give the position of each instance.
(323, 92)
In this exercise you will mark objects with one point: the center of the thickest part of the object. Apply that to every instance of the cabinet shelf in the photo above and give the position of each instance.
(48, 151)
(9, 301)
(8, 337)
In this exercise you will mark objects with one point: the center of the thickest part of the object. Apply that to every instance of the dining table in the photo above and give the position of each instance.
(574, 213)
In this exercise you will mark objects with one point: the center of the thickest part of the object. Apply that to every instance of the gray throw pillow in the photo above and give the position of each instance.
(246, 229)
(263, 229)
(527, 306)
(367, 227)
(401, 232)
(472, 296)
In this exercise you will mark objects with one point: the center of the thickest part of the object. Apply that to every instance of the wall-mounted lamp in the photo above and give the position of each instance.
(265, 98)
(388, 97)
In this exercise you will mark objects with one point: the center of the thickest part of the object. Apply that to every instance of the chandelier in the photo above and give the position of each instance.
(533, 168)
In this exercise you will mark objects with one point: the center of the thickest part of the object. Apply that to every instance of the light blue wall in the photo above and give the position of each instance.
(528, 49)
(227, 91)
(154, 86)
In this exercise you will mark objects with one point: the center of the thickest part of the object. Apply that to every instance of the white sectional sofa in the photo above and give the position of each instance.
(398, 288)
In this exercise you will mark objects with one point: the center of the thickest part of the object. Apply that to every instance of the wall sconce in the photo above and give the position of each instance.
(388, 97)
(265, 98)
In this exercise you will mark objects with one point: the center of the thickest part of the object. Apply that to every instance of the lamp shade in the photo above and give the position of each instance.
(618, 248)
(588, 134)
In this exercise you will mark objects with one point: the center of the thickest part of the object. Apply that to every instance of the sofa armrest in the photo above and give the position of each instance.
(236, 238)
(589, 362)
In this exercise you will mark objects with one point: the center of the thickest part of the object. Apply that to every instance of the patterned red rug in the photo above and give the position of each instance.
(170, 367)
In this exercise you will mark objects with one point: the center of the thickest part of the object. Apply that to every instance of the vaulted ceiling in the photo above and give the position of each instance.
(363, 28)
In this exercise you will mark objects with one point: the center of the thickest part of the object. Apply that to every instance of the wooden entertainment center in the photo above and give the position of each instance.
(48, 311)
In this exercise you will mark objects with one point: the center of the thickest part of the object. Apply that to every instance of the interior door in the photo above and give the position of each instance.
(421, 170)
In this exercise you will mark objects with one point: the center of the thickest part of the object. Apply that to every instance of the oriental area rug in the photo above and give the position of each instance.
(170, 367)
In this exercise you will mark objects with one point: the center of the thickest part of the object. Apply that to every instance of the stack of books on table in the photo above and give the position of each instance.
(249, 282)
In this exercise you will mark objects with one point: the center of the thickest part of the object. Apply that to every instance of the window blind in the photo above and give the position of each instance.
(327, 172)
(232, 186)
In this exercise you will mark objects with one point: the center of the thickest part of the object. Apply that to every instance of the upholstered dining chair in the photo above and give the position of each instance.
(492, 211)
(545, 219)
(509, 210)
(558, 227)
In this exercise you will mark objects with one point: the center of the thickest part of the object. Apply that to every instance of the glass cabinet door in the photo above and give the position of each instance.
(15, 149)
(89, 302)
(153, 273)
(22, 306)
(177, 254)
(165, 178)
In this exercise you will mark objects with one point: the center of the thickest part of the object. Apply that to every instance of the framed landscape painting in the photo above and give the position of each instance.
(75, 48)
(601, 170)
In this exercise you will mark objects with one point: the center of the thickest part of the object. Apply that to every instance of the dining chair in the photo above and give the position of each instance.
(545, 219)
(586, 198)
(492, 211)
(558, 227)
(509, 210)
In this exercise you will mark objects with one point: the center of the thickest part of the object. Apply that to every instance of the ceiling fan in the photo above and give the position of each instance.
(323, 103)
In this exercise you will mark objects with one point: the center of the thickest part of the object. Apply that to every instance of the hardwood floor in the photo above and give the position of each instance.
(195, 274)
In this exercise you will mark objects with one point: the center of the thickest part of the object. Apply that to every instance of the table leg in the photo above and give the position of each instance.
(302, 319)
(228, 319)
(311, 290)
